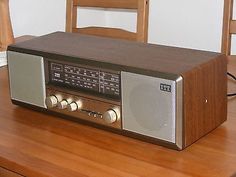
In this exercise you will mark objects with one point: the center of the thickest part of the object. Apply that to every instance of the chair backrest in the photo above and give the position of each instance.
(142, 7)
(229, 27)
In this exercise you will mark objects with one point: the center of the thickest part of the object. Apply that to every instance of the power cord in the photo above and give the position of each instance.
(231, 75)
(234, 78)
(231, 94)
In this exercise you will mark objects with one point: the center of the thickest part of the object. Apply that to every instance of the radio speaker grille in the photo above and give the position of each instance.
(147, 108)
(27, 80)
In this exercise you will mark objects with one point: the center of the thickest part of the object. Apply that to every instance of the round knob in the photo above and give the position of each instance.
(64, 103)
(75, 106)
(52, 101)
(112, 115)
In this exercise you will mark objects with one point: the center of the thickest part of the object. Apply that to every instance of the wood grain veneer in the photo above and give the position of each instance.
(39, 145)
(205, 101)
(115, 54)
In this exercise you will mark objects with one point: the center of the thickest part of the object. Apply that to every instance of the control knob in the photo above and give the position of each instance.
(53, 100)
(76, 105)
(64, 103)
(112, 115)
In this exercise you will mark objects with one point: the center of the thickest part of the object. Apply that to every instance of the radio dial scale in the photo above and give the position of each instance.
(95, 80)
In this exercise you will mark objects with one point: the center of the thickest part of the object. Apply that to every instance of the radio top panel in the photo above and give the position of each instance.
(113, 54)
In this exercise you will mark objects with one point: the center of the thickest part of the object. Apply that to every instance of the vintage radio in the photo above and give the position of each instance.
(164, 95)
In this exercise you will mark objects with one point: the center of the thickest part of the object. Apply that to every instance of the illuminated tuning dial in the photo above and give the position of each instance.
(64, 103)
(53, 100)
(77, 105)
(112, 115)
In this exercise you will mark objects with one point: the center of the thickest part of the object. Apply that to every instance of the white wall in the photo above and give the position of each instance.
(183, 23)
(187, 23)
(36, 17)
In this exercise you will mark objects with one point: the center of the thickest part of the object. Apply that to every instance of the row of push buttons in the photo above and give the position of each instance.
(93, 113)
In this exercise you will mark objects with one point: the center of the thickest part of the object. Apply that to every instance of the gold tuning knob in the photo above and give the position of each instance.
(64, 103)
(112, 115)
(53, 100)
(76, 105)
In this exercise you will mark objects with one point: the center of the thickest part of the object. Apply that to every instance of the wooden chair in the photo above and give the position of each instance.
(229, 27)
(142, 7)
(6, 34)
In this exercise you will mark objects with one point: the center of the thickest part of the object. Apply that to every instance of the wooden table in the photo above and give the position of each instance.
(36, 144)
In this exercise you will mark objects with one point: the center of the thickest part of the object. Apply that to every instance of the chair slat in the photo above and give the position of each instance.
(107, 32)
(121, 4)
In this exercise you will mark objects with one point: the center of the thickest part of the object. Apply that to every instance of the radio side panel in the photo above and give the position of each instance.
(205, 99)
(27, 78)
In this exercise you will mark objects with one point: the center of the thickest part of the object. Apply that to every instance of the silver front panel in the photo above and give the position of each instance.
(149, 106)
(27, 80)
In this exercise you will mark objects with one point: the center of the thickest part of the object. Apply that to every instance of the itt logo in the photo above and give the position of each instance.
(165, 87)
